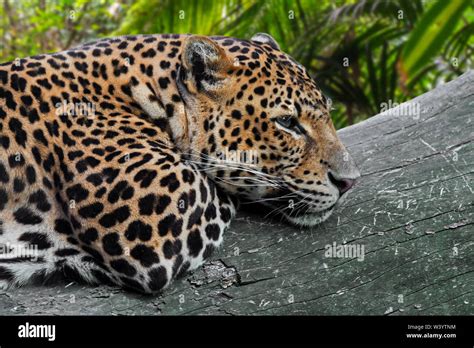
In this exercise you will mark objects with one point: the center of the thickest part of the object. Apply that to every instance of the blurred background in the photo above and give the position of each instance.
(363, 54)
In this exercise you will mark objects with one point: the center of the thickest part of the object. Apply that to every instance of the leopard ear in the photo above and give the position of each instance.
(204, 64)
(266, 39)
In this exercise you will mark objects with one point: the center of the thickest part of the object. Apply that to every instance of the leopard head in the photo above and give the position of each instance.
(261, 129)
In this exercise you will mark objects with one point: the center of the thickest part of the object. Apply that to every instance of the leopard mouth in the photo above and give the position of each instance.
(277, 207)
(315, 218)
(310, 219)
(306, 219)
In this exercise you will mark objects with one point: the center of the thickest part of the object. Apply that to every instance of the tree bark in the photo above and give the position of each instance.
(412, 212)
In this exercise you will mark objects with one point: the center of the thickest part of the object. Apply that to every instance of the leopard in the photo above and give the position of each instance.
(121, 159)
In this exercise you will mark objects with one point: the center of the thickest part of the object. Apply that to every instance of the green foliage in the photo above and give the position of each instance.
(172, 16)
(30, 27)
(361, 53)
(429, 35)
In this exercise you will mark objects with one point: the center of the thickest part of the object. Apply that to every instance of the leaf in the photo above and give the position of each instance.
(429, 35)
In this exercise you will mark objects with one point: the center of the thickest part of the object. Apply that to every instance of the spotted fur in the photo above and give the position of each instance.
(129, 191)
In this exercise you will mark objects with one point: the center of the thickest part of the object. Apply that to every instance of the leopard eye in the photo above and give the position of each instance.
(290, 123)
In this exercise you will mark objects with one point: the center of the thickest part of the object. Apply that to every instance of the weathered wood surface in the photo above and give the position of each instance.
(412, 211)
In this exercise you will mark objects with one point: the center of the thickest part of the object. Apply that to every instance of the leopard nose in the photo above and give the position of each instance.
(342, 184)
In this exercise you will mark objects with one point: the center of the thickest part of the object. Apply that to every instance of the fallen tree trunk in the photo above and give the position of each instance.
(410, 220)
